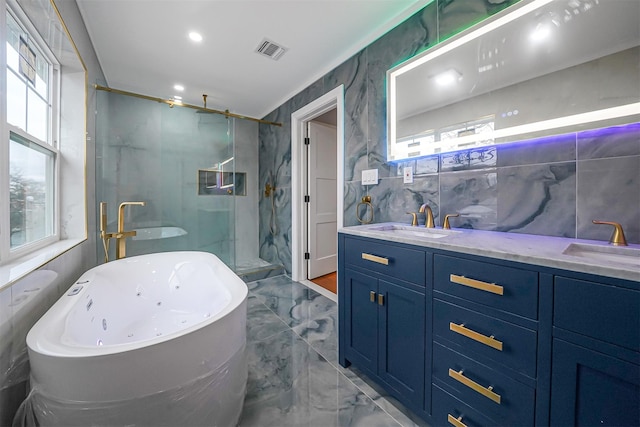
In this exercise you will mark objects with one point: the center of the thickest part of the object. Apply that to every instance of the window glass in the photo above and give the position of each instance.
(13, 42)
(27, 83)
(37, 120)
(31, 176)
(16, 101)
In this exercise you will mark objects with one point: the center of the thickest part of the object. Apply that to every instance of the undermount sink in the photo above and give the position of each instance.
(619, 254)
(402, 230)
(152, 233)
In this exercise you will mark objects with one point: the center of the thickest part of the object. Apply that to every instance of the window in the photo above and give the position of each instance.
(31, 117)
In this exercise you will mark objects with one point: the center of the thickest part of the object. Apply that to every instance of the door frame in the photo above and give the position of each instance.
(299, 173)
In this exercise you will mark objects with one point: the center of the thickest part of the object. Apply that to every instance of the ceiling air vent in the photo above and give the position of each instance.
(270, 49)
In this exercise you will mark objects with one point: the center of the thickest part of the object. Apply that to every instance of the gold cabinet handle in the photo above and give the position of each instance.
(477, 284)
(476, 336)
(457, 422)
(372, 296)
(380, 299)
(485, 391)
(374, 258)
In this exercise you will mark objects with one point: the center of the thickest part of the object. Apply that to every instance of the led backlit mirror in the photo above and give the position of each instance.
(538, 68)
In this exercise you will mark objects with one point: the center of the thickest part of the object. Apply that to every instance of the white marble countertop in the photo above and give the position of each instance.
(526, 248)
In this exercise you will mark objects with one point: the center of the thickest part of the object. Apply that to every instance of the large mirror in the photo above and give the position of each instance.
(538, 68)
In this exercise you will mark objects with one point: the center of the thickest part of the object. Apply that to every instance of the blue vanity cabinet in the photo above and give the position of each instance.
(463, 339)
(382, 319)
(485, 333)
(596, 353)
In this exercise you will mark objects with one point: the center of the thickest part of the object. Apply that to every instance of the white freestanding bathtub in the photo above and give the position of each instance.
(154, 339)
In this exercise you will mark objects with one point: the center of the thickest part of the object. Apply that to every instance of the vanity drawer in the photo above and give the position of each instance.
(503, 342)
(386, 258)
(506, 288)
(449, 411)
(607, 313)
(507, 401)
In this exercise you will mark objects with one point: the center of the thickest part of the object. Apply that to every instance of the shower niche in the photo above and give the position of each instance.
(215, 182)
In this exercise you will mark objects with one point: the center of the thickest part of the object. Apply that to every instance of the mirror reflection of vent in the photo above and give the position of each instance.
(270, 49)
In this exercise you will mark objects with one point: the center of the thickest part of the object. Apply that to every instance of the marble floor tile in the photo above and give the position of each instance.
(294, 377)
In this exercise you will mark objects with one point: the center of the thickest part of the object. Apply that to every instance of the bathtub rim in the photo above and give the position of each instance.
(44, 339)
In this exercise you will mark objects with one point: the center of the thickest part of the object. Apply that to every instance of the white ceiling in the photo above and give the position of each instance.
(143, 45)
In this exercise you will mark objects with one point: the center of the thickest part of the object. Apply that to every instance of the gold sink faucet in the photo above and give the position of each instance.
(121, 235)
(414, 218)
(617, 238)
(446, 224)
(428, 222)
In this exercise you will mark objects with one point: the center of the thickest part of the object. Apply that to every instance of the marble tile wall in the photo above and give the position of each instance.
(552, 186)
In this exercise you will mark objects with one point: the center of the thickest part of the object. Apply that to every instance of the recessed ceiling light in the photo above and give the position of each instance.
(177, 97)
(196, 37)
(178, 87)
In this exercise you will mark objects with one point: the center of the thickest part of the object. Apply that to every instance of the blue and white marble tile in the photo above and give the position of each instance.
(538, 199)
(472, 194)
(617, 141)
(352, 74)
(456, 15)
(283, 297)
(319, 325)
(609, 189)
(262, 323)
(392, 199)
(312, 92)
(381, 398)
(561, 148)
(294, 377)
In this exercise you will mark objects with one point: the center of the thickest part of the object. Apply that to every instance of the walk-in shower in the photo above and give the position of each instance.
(182, 163)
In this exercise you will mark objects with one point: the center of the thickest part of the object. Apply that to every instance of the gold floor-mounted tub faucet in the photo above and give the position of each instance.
(121, 235)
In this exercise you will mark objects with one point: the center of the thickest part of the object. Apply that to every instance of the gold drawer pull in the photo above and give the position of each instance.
(477, 284)
(455, 421)
(374, 258)
(372, 296)
(486, 392)
(380, 299)
(462, 330)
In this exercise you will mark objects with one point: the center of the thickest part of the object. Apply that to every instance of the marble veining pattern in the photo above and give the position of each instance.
(538, 199)
(620, 141)
(608, 189)
(472, 194)
(539, 186)
(294, 378)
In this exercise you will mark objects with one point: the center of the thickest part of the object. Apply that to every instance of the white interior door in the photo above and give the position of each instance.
(323, 200)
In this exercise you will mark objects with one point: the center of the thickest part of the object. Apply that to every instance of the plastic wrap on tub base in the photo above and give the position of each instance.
(215, 399)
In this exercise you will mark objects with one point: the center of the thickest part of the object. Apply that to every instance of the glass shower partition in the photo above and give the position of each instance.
(180, 162)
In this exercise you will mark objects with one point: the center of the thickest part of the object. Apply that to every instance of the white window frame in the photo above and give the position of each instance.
(6, 253)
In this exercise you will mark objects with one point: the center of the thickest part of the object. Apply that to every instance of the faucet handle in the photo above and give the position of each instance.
(617, 238)
(414, 218)
(446, 224)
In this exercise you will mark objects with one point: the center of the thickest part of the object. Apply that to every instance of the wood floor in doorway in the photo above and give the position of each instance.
(328, 281)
